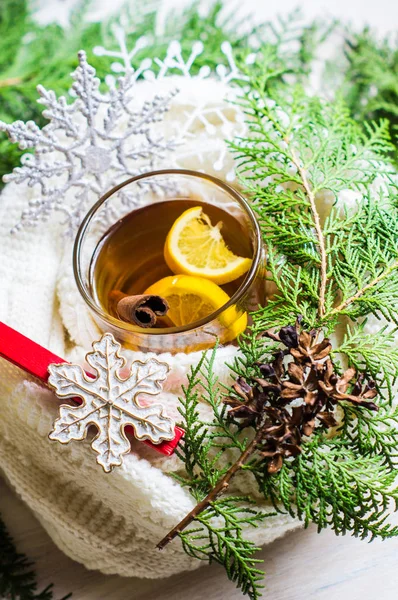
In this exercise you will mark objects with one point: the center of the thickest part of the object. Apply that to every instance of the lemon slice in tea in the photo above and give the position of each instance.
(194, 298)
(195, 247)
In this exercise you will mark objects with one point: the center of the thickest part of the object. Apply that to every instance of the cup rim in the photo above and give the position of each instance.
(127, 327)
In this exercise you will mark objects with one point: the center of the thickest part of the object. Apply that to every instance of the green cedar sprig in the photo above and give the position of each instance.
(217, 533)
(17, 579)
(346, 482)
(371, 78)
(332, 267)
(302, 151)
(331, 485)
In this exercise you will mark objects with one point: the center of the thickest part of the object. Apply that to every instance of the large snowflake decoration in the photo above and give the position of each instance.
(173, 63)
(199, 110)
(88, 145)
(110, 402)
(100, 139)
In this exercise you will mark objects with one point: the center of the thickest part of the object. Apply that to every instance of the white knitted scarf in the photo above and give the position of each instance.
(110, 522)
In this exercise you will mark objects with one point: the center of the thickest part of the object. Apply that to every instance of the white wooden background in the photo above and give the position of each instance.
(301, 566)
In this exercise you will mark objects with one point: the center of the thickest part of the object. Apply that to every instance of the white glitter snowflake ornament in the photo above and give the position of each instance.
(101, 139)
(123, 56)
(202, 108)
(89, 146)
(110, 402)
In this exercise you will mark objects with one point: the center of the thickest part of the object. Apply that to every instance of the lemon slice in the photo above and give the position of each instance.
(194, 298)
(195, 247)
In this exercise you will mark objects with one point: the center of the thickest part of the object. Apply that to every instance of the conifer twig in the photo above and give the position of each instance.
(319, 233)
(359, 293)
(217, 490)
(10, 81)
(17, 577)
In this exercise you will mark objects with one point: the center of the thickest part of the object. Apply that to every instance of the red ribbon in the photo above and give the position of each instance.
(35, 360)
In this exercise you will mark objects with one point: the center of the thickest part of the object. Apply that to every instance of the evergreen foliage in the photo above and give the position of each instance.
(371, 78)
(332, 270)
(300, 147)
(216, 535)
(17, 579)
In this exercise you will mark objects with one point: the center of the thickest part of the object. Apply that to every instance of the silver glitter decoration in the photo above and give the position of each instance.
(89, 146)
(101, 139)
(173, 63)
(199, 111)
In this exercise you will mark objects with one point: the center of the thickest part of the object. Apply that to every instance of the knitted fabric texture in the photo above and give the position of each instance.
(109, 522)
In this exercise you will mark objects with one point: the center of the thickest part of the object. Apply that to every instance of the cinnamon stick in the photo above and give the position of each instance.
(141, 310)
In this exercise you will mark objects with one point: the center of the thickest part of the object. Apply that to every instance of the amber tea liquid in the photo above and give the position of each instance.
(130, 257)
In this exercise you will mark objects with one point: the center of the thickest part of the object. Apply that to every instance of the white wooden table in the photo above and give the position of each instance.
(301, 566)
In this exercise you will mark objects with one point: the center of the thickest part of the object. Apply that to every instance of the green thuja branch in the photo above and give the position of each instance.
(318, 441)
(214, 531)
(300, 153)
(226, 544)
(375, 354)
(373, 435)
(344, 480)
(17, 579)
(371, 79)
(332, 485)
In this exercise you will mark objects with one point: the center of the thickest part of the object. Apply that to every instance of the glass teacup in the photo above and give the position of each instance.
(151, 190)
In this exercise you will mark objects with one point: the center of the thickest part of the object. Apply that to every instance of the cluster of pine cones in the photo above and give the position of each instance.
(297, 392)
